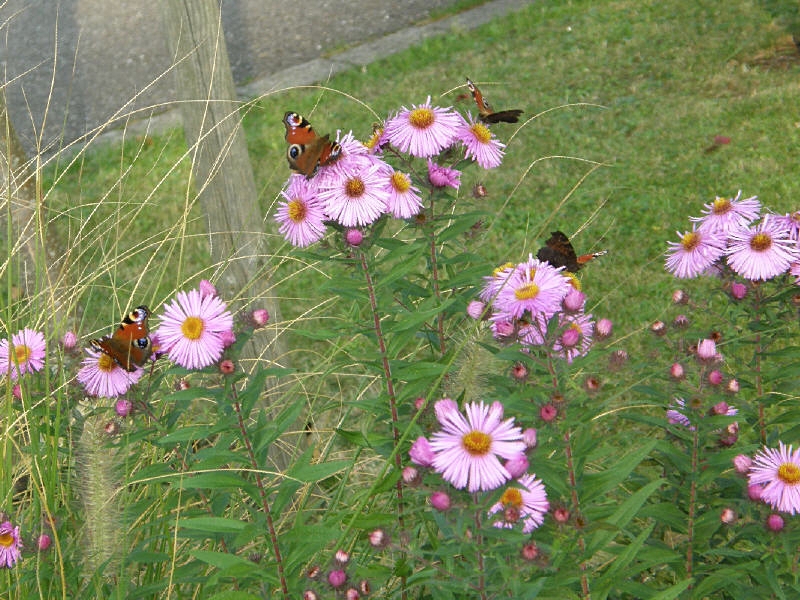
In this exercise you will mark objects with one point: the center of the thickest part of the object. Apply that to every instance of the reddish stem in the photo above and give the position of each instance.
(273, 535)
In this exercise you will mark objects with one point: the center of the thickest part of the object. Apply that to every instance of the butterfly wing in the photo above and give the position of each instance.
(558, 251)
(130, 344)
(307, 151)
(506, 116)
(485, 111)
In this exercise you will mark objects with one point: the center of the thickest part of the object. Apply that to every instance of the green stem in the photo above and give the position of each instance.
(273, 535)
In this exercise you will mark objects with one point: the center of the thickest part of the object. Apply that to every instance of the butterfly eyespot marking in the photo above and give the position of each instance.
(129, 346)
(295, 150)
(307, 151)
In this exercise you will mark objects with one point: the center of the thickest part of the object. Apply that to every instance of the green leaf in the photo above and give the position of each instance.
(597, 484)
(623, 515)
(213, 524)
(221, 560)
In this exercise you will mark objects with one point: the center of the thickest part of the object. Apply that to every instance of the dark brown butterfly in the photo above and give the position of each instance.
(486, 112)
(308, 151)
(130, 344)
(558, 251)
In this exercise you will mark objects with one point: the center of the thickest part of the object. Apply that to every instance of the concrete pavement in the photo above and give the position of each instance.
(71, 65)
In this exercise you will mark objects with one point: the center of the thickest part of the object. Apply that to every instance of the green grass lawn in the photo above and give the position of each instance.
(639, 88)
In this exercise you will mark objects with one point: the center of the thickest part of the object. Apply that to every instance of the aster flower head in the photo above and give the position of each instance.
(10, 545)
(763, 251)
(694, 253)
(468, 449)
(791, 223)
(480, 144)
(402, 198)
(576, 336)
(25, 353)
(778, 471)
(493, 283)
(194, 329)
(534, 287)
(101, 375)
(423, 130)
(441, 177)
(524, 501)
(356, 195)
(300, 217)
(726, 214)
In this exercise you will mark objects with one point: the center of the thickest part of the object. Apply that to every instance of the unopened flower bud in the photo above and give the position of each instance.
(440, 501)
(742, 463)
(727, 516)
(354, 237)
(738, 290)
(774, 522)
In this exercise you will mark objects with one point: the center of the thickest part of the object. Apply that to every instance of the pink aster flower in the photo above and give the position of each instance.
(440, 176)
(356, 196)
(535, 287)
(761, 252)
(494, 282)
(791, 223)
(10, 545)
(421, 453)
(301, 217)
(481, 144)
(402, 198)
(424, 130)
(695, 253)
(25, 353)
(726, 214)
(193, 329)
(468, 450)
(676, 417)
(576, 336)
(526, 501)
(779, 472)
(102, 376)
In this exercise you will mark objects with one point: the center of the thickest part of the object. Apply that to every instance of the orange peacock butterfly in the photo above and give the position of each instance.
(129, 345)
(558, 251)
(485, 111)
(307, 151)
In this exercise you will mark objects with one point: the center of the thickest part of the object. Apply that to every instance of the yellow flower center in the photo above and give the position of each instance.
(499, 270)
(690, 241)
(721, 206)
(574, 281)
(297, 210)
(6, 540)
(761, 242)
(401, 182)
(421, 118)
(511, 497)
(481, 133)
(21, 354)
(354, 188)
(106, 363)
(789, 473)
(476, 443)
(192, 328)
(527, 291)
(374, 138)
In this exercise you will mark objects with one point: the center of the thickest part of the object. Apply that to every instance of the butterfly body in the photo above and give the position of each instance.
(130, 344)
(485, 111)
(558, 251)
(308, 151)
